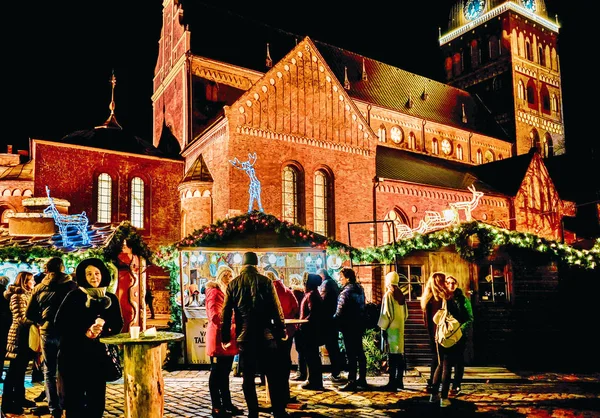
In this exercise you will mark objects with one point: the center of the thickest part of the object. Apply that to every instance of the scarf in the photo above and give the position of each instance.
(97, 294)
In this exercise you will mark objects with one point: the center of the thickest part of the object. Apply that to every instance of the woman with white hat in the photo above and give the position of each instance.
(392, 318)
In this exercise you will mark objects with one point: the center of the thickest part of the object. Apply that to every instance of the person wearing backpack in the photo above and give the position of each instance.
(460, 308)
(431, 302)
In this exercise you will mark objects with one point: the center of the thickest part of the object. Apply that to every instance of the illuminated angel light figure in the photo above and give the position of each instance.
(254, 189)
(79, 221)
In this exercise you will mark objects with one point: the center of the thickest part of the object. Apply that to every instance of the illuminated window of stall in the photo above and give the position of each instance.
(411, 280)
(104, 198)
(137, 202)
(493, 283)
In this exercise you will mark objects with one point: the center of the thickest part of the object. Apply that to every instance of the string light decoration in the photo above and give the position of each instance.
(433, 221)
(227, 229)
(488, 237)
(64, 222)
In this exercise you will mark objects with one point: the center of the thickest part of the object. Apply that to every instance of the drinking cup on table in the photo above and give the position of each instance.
(134, 332)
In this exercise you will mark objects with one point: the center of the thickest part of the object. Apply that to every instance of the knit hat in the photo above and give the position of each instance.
(99, 264)
(392, 278)
(250, 258)
(313, 281)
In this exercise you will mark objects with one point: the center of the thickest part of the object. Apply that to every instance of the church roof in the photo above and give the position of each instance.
(113, 139)
(17, 172)
(198, 171)
(411, 167)
(386, 86)
(111, 135)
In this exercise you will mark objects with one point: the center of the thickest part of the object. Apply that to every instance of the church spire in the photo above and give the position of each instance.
(111, 122)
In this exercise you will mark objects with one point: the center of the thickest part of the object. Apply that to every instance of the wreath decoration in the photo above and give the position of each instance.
(474, 253)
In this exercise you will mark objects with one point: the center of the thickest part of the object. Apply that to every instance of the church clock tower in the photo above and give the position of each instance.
(505, 54)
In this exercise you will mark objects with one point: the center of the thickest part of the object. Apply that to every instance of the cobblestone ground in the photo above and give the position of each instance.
(543, 395)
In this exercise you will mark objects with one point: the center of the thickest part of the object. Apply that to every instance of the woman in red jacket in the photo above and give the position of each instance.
(221, 358)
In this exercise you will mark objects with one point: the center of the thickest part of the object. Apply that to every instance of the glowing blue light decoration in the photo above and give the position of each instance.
(64, 222)
(254, 189)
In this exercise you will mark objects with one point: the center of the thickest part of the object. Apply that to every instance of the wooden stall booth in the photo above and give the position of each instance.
(199, 265)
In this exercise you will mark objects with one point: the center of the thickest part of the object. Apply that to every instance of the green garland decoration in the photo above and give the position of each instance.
(221, 230)
(37, 255)
(466, 250)
(126, 231)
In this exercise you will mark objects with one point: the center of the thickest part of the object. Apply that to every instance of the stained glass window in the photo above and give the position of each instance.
(320, 203)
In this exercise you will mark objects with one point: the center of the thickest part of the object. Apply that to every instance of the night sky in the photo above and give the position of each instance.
(59, 56)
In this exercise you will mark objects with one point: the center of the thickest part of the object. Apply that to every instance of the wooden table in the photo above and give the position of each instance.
(142, 372)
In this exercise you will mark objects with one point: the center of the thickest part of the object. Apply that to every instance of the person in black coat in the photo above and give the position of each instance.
(311, 309)
(330, 291)
(351, 318)
(259, 327)
(86, 314)
(46, 298)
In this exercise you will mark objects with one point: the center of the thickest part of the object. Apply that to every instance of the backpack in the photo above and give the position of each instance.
(448, 330)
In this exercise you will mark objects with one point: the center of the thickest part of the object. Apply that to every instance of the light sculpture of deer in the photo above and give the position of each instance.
(254, 189)
(469, 206)
(64, 222)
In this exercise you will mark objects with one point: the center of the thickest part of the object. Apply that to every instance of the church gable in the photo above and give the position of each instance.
(300, 97)
(539, 209)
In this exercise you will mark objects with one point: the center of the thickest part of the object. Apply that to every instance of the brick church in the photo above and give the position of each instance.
(338, 141)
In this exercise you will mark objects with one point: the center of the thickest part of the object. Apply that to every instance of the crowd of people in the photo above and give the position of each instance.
(253, 316)
(261, 318)
(71, 314)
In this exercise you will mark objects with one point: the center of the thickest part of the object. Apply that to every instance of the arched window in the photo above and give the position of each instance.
(545, 96)
(137, 202)
(448, 67)
(412, 140)
(494, 47)
(500, 157)
(474, 54)
(323, 204)
(479, 157)
(531, 94)
(489, 156)
(528, 50)
(435, 147)
(382, 133)
(554, 103)
(457, 64)
(521, 90)
(104, 206)
(535, 140)
(459, 152)
(289, 194)
(390, 229)
(541, 55)
(548, 146)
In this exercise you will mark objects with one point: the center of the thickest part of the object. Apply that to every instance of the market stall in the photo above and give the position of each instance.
(199, 265)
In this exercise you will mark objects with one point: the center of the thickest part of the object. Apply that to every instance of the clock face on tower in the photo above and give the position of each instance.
(473, 8)
(529, 4)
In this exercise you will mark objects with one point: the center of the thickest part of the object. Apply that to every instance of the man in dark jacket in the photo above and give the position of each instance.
(350, 315)
(46, 299)
(330, 291)
(259, 326)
